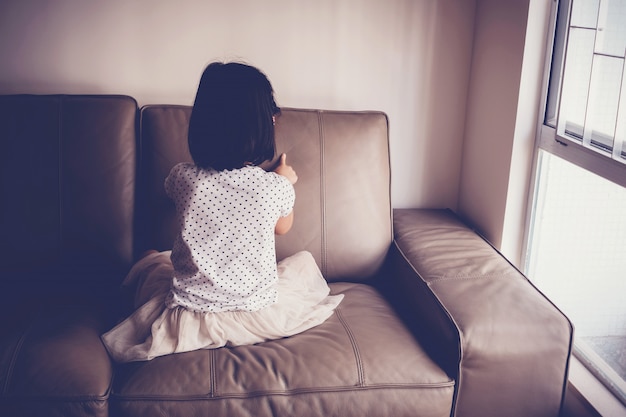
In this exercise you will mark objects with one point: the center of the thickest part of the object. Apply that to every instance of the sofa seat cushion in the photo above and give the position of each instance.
(55, 365)
(361, 361)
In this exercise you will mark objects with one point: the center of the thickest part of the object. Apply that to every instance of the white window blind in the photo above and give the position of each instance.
(592, 105)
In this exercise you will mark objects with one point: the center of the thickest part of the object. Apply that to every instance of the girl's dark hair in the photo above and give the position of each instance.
(232, 118)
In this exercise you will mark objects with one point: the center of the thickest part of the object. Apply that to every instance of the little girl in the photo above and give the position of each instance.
(220, 285)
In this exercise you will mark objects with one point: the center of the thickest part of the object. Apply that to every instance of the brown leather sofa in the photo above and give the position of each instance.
(435, 322)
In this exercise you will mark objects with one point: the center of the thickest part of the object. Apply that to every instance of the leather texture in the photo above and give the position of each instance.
(362, 361)
(513, 345)
(343, 207)
(55, 366)
(66, 219)
(68, 178)
(434, 323)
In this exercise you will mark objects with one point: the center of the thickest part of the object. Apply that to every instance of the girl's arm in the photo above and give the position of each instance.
(285, 170)
(284, 224)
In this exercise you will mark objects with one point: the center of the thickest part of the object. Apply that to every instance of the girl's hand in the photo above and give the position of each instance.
(286, 170)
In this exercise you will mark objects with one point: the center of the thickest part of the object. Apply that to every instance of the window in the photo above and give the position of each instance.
(577, 237)
(588, 75)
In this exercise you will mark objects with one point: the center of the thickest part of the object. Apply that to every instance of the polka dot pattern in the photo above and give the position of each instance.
(224, 256)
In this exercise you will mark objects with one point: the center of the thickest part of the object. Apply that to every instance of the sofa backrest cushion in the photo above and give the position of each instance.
(343, 207)
(67, 184)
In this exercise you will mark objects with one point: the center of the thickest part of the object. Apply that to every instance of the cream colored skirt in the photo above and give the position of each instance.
(155, 330)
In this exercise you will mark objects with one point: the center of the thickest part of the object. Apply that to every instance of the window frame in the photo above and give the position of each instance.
(591, 158)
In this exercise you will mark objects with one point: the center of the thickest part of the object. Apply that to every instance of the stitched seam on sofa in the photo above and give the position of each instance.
(355, 348)
(14, 355)
(293, 392)
(56, 399)
(320, 124)
(212, 372)
(430, 279)
(60, 175)
(459, 335)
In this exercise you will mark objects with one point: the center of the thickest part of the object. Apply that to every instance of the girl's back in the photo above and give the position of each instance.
(222, 255)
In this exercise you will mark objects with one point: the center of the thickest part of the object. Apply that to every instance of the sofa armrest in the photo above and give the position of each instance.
(56, 365)
(511, 345)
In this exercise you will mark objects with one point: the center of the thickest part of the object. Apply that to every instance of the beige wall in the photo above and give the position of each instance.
(416, 60)
(407, 58)
(502, 114)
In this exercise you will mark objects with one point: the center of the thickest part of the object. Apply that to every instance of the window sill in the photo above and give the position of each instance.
(592, 392)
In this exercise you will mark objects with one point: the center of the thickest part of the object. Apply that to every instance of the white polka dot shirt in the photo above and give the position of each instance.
(224, 256)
